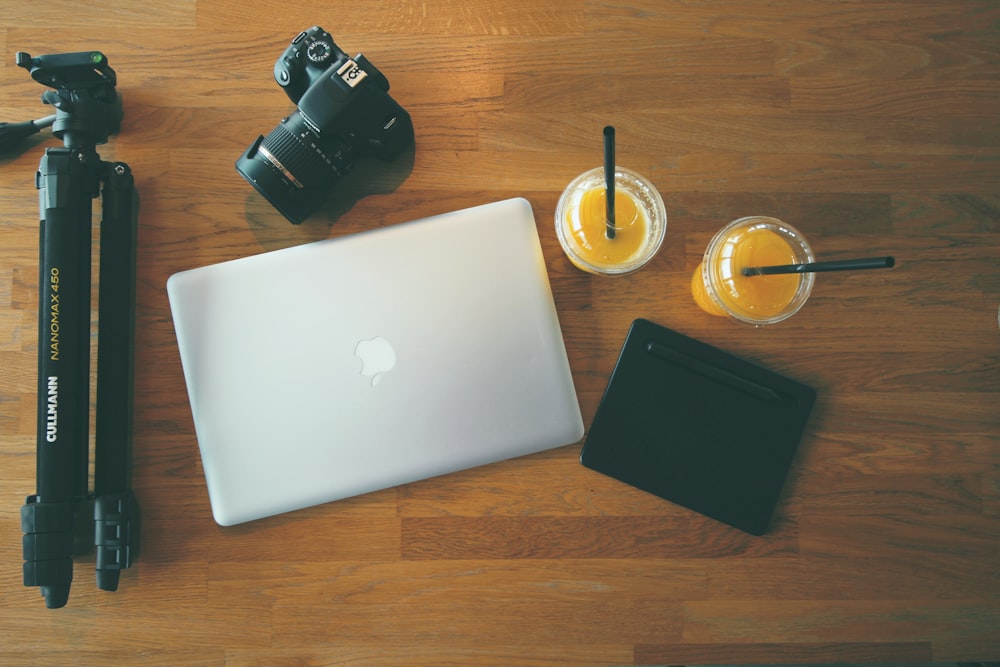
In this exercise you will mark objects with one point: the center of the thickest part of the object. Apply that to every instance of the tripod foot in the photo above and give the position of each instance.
(116, 536)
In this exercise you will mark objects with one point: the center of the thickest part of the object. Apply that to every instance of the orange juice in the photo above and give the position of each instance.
(581, 225)
(720, 288)
(588, 232)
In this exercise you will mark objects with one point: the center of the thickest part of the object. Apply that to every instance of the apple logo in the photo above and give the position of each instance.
(377, 357)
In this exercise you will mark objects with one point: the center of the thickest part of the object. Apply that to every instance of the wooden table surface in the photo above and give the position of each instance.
(871, 126)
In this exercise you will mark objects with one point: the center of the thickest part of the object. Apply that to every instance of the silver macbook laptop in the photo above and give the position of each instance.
(363, 362)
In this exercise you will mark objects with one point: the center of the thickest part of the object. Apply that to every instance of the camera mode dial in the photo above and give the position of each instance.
(319, 52)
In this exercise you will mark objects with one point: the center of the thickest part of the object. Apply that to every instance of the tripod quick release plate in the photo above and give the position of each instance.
(69, 70)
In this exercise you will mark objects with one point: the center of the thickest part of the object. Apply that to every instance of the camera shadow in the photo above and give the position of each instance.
(369, 176)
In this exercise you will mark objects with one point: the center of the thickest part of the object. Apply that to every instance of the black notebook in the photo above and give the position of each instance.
(698, 427)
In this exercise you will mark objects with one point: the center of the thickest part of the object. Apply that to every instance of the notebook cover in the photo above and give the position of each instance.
(698, 427)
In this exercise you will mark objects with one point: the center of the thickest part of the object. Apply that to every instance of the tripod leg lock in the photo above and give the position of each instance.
(47, 545)
(116, 536)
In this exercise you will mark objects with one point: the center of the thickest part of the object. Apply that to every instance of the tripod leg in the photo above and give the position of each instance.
(66, 181)
(116, 513)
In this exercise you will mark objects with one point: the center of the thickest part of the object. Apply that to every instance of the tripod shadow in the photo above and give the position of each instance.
(32, 144)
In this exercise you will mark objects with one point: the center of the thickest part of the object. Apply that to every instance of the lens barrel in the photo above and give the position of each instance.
(293, 168)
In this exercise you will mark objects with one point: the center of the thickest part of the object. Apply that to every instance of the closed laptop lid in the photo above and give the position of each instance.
(366, 361)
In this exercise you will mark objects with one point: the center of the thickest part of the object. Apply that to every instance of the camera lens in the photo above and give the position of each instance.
(293, 168)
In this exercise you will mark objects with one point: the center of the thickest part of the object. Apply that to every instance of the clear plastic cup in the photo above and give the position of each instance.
(640, 222)
(720, 288)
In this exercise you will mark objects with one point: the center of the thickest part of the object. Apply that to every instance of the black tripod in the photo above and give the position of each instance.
(88, 110)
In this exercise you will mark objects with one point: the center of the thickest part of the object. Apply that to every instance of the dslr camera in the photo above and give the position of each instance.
(343, 112)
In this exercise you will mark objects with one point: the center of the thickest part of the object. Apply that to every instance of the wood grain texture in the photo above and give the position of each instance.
(871, 126)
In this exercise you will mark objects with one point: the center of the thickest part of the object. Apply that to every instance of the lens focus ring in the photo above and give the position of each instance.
(298, 158)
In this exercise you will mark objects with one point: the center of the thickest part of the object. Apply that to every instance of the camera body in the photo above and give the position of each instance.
(344, 112)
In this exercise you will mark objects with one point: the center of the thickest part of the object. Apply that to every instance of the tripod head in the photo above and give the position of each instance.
(88, 108)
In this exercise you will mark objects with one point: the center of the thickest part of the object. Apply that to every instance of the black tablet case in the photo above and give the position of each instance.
(698, 427)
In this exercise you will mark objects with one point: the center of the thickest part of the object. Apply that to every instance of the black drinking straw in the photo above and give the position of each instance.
(818, 267)
(609, 181)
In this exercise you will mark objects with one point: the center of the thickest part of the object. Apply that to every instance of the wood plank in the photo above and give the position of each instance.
(791, 652)
(909, 622)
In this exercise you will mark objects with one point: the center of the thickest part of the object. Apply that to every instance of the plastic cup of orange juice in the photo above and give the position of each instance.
(640, 222)
(720, 288)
